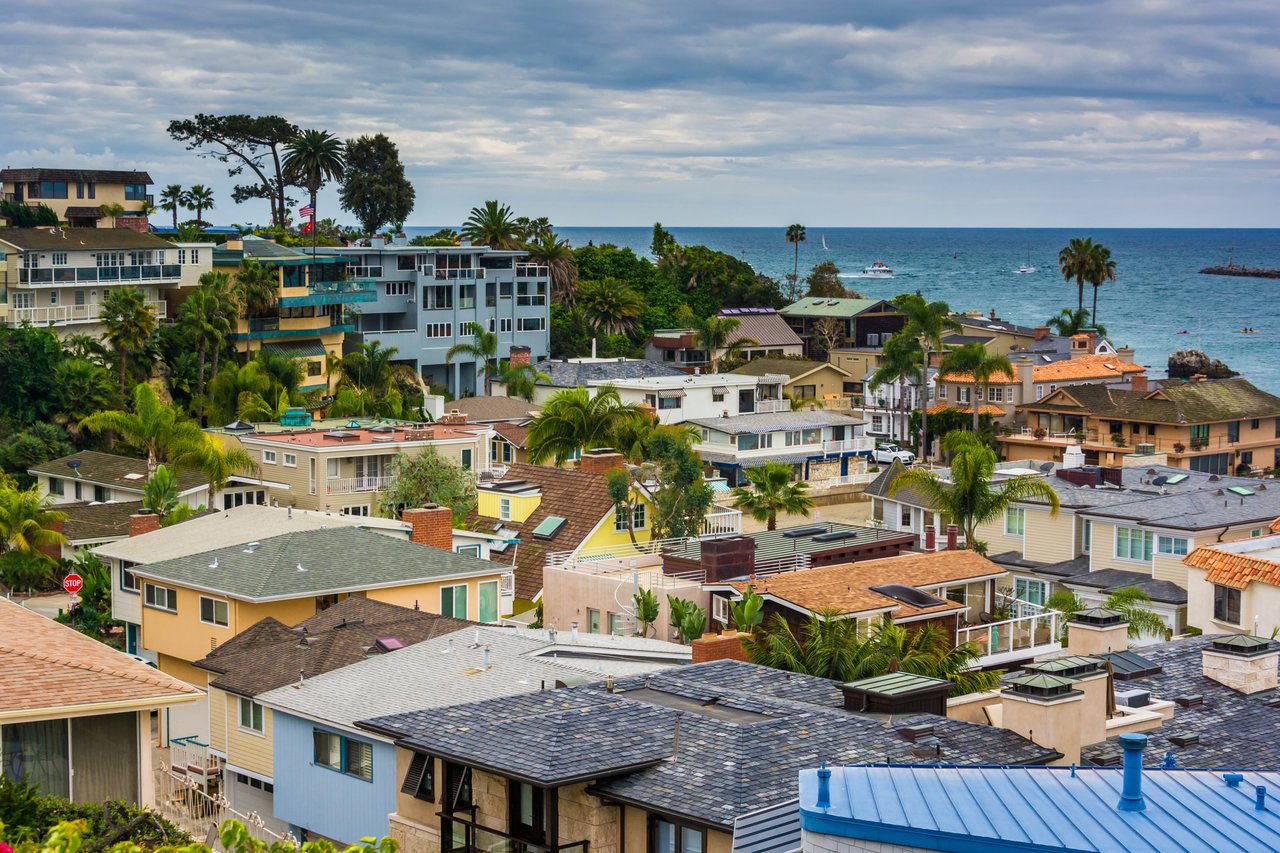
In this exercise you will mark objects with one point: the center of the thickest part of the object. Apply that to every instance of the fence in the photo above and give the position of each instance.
(181, 800)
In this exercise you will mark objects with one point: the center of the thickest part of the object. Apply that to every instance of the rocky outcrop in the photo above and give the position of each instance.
(1186, 363)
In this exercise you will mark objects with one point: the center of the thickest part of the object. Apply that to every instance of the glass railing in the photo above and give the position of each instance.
(350, 285)
(460, 836)
(449, 275)
(105, 275)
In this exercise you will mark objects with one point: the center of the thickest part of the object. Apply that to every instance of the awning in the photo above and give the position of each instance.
(84, 212)
(720, 389)
(305, 349)
(670, 393)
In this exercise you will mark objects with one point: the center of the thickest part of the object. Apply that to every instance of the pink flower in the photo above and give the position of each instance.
(5, 848)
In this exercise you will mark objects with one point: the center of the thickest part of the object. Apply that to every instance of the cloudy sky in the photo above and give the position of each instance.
(701, 112)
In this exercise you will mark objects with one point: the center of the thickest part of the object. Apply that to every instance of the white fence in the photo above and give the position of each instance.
(181, 800)
(1012, 639)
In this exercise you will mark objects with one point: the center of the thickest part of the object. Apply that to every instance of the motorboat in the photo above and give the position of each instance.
(878, 270)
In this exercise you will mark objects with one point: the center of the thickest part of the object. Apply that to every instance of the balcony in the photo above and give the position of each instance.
(766, 406)
(455, 275)
(458, 835)
(351, 485)
(1016, 639)
(532, 271)
(334, 293)
(55, 276)
(860, 444)
(62, 315)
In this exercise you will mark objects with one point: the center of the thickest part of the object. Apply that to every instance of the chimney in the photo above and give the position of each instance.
(953, 537)
(729, 557)
(143, 522)
(1089, 675)
(930, 538)
(431, 525)
(1096, 631)
(1041, 332)
(1025, 371)
(1131, 794)
(236, 245)
(520, 356)
(1139, 383)
(1125, 354)
(453, 418)
(1047, 710)
(1241, 662)
(711, 647)
(602, 460)
(993, 314)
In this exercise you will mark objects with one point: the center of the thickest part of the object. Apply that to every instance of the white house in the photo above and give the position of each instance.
(685, 397)
(819, 445)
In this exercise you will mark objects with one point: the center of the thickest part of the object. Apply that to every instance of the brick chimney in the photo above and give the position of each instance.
(1139, 383)
(953, 537)
(1041, 332)
(453, 418)
(602, 460)
(520, 356)
(729, 557)
(432, 525)
(1241, 662)
(930, 538)
(143, 522)
(727, 646)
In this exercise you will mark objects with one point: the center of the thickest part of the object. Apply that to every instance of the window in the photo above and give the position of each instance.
(670, 837)
(332, 468)
(343, 754)
(48, 189)
(1039, 391)
(720, 609)
(942, 392)
(291, 460)
(438, 330)
(1233, 431)
(135, 192)
(762, 441)
(182, 257)
(1246, 457)
(56, 486)
(466, 296)
(358, 761)
(101, 494)
(487, 601)
(1211, 463)
(361, 511)
(525, 812)
(504, 509)
(213, 611)
(531, 293)
(404, 263)
(466, 458)
(420, 778)
(53, 297)
(468, 550)
(456, 796)
(593, 621)
(160, 597)
(128, 580)
(1015, 521)
(615, 624)
(195, 256)
(314, 368)
(638, 519)
(1172, 545)
(453, 601)
(1088, 536)
(995, 395)
(504, 325)
(1133, 544)
(620, 515)
(436, 297)
(269, 457)
(1030, 590)
(668, 403)
(1253, 424)
(962, 394)
(1226, 604)
(532, 324)
(805, 392)
(250, 715)
(398, 288)
(59, 259)
(905, 516)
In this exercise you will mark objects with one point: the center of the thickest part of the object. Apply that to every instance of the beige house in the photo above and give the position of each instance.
(1234, 587)
(79, 196)
(820, 381)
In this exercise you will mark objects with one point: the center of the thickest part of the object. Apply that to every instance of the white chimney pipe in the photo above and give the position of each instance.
(488, 658)
(574, 631)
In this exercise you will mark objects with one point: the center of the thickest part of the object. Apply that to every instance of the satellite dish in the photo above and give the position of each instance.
(73, 464)
(1160, 481)
(1046, 467)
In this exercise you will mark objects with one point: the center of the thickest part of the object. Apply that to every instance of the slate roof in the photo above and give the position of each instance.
(1108, 581)
(793, 367)
(1173, 403)
(744, 733)
(563, 374)
(773, 421)
(263, 249)
(48, 667)
(270, 654)
(80, 239)
(110, 469)
(490, 409)
(1236, 730)
(579, 497)
(86, 522)
(765, 326)
(332, 560)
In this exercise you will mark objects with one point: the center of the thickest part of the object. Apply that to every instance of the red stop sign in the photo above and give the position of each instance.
(72, 583)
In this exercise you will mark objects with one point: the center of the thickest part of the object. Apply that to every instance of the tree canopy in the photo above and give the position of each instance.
(427, 478)
(375, 189)
(244, 142)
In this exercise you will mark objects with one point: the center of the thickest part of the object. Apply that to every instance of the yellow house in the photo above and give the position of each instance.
(823, 381)
(78, 196)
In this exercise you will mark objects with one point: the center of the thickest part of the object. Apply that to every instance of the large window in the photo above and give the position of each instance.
(437, 297)
(1212, 463)
(1226, 604)
(1174, 546)
(531, 324)
(250, 715)
(1030, 590)
(40, 753)
(213, 611)
(487, 601)
(135, 192)
(525, 811)
(1015, 521)
(453, 601)
(343, 754)
(47, 189)
(1133, 544)
(671, 837)
(1233, 431)
(762, 441)
(160, 597)
(638, 517)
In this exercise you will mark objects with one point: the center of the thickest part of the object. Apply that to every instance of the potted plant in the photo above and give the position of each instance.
(1179, 447)
(1117, 438)
(1040, 432)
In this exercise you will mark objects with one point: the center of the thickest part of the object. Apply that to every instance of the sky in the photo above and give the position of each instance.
(1111, 113)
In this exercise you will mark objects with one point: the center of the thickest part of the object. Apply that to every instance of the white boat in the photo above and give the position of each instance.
(1026, 268)
(824, 243)
(878, 270)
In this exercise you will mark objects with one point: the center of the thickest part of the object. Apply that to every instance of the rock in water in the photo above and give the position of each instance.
(1186, 363)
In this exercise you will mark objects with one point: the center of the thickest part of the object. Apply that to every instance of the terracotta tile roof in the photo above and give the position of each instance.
(846, 588)
(986, 409)
(1275, 526)
(579, 497)
(1084, 367)
(1232, 569)
(45, 666)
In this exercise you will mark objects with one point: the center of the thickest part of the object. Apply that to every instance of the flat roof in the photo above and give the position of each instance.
(363, 436)
(801, 539)
(688, 380)
(772, 421)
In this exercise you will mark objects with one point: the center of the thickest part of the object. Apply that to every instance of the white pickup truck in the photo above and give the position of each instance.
(888, 452)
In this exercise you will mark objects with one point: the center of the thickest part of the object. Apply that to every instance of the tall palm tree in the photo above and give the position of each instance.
(204, 318)
(172, 199)
(1076, 261)
(979, 365)
(772, 491)
(256, 288)
(926, 322)
(1072, 321)
(550, 250)
(156, 429)
(967, 496)
(311, 159)
(1102, 270)
(493, 225)
(27, 523)
(129, 322)
(574, 420)
(796, 236)
(520, 380)
(611, 306)
(714, 336)
(483, 349)
(900, 362)
(374, 374)
(198, 198)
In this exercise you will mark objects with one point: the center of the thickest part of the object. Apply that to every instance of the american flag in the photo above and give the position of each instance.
(306, 211)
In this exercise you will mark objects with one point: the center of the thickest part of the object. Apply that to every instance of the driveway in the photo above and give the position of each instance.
(48, 604)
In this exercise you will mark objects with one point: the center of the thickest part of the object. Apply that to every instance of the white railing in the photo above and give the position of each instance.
(1017, 606)
(349, 485)
(1011, 639)
(767, 406)
(61, 314)
(859, 479)
(180, 800)
(189, 756)
(849, 445)
(724, 522)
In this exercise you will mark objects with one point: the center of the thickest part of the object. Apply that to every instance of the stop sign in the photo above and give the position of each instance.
(72, 583)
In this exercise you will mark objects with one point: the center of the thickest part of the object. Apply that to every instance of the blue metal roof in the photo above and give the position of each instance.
(1042, 808)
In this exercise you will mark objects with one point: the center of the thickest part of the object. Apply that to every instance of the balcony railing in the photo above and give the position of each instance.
(350, 485)
(59, 315)
(766, 406)
(453, 275)
(51, 276)
(350, 285)
(531, 271)
(849, 445)
(463, 836)
(722, 522)
(1014, 639)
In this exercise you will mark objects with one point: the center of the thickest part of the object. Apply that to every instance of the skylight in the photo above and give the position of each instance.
(1240, 490)
(1174, 479)
(549, 527)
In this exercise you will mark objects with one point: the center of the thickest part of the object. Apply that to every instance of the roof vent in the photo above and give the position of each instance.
(1041, 686)
(251, 547)
(1241, 645)
(1071, 666)
(920, 731)
(1191, 700)
(1185, 739)
(1099, 616)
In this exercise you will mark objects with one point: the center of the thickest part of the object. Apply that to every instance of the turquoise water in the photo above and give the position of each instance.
(1158, 291)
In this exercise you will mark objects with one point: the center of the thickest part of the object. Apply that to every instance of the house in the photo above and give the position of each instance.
(424, 299)
(820, 446)
(765, 328)
(78, 196)
(680, 398)
(271, 654)
(60, 277)
(316, 731)
(562, 373)
(93, 476)
(312, 313)
(674, 760)
(1218, 426)
(855, 323)
(888, 807)
(510, 444)
(887, 407)
(492, 410)
(89, 525)
(1234, 587)
(75, 714)
(808, 380)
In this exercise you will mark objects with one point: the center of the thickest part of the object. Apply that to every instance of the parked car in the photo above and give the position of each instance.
(887, 452)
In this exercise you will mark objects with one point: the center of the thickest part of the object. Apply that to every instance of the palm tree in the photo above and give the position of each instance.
(172, 199)
(483, 349)
(1129, 601)
(204, 318)
(493, 225)
(967, 496)
(550, 251)
(926, 322)
(930, 650)
(714, 336)
(129, 322)
(573, 420)
(1076, 261)
(1102, 270)
(611, 306)
(81, 388)
(256, 288)
(311, 159)
(1073, 321)
(826, 646)
(154, 428)
(772, 491)
(634, 438)
(112, 209)
(973, 360)
(520, 380)
(373, 374)
(899, 362)
(796, 236)
(27, 523)
(198, 198)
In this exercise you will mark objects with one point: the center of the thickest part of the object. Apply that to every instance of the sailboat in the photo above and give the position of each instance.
(824, 243)
(1026, 268)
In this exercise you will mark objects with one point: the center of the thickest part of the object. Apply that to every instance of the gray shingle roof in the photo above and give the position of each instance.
(773, 421)
(763, 325)
(488, 409)
(1110, 580)
(572, 375)
(80, 239)
(332, 560)
(87, 522)
(102, 176)
(112, 470)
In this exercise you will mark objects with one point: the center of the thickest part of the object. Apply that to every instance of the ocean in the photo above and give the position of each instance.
(1158, 290)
